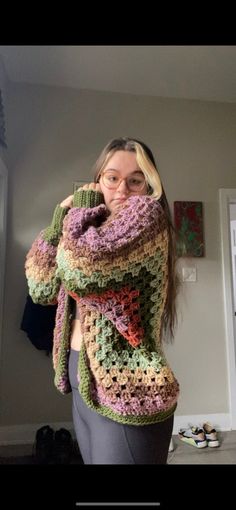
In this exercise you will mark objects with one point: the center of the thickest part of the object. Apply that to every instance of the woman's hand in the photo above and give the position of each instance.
(68, 202)
(92, 185)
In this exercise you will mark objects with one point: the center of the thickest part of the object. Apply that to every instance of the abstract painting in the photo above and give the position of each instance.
(188, 218)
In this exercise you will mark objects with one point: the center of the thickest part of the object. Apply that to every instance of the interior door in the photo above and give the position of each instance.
(3, 228)
(233, 254)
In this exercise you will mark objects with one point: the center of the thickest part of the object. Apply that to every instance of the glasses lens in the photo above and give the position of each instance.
(134, 183)
(111, 180)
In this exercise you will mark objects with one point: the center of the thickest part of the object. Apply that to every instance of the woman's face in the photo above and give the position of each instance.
(121, 171)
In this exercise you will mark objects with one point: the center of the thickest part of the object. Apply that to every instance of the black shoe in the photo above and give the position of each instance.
(63, 447)
(44, 445)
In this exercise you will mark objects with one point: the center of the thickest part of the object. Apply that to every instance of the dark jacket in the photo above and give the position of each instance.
(38, 322)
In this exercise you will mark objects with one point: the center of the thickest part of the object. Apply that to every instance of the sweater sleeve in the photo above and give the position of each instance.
(41, 265)
(92, 255)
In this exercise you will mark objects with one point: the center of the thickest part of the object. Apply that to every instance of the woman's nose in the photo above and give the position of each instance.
(123, 186)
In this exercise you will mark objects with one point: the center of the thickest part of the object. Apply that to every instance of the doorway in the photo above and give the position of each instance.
(226, 198)
(3, 236)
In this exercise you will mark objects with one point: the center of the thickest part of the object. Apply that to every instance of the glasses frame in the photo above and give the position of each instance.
(119, 182)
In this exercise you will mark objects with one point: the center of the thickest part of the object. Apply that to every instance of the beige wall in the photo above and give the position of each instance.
(54, 136)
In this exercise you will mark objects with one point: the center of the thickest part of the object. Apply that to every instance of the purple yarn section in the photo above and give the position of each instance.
(148, 405)
(79, 219)
(130, 223)
(63, 384)
(47, 248)
(43, 255)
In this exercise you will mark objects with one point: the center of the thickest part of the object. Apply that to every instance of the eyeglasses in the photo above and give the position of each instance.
(112, 180)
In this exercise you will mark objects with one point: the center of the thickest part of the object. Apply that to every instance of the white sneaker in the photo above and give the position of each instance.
(211, 435)
(171, 446)
(193, 436)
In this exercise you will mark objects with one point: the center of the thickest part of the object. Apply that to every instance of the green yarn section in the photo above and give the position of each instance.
(77, 281)
(151, 302)
(53, 233)
(87, 198)
(64, 348)
(82, 198)
(84, 389)
(44, 293)
(115, 352)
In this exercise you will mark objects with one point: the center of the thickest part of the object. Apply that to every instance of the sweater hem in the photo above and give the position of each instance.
(131, 419)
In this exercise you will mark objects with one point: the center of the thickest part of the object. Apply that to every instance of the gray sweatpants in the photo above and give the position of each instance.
(104, 441)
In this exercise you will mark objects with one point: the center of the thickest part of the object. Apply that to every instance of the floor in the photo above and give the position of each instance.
(186, 454)
(182, 453)
(24, 454)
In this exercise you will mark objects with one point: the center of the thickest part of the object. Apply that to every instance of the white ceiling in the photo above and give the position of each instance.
(191, 72)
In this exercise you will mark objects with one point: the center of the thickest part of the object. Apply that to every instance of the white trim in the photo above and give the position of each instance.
(25, 434)
(233, 255)
(225, 197)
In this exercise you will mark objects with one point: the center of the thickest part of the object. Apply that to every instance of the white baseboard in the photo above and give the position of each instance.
(25, 434)
(219, 421)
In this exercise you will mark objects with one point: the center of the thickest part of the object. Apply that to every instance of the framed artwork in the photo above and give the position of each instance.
(188, 220)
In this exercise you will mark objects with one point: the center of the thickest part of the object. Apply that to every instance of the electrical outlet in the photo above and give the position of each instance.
(189, 274)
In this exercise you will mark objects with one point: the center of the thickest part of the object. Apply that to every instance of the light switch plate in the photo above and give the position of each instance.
(189, 274)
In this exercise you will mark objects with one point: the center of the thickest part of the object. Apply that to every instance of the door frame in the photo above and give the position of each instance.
(227, 196)
(3, 238)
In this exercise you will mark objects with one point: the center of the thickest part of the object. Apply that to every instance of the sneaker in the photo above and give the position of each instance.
(193, 436)
(211, 435)
(44, 444)
(171, 446)
(63, 446)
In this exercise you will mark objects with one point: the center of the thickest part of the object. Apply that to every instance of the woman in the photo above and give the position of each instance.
(108, 260)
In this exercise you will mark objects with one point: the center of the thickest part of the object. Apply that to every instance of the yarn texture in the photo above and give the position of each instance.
(115, 267)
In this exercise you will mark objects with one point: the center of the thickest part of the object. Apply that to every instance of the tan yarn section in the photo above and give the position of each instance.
(39, 272)
(107, 264)
(123, 376)
(157, 311)
(89, 338)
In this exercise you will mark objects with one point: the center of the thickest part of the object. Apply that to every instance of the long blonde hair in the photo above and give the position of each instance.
(146, 163)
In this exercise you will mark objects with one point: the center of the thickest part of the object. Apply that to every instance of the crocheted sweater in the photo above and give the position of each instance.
(115, 267)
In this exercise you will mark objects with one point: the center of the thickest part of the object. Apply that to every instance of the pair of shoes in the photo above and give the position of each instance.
(44, 444)
(194, 436)
(63, 446)
(211, 435)
(53, 448)
(200, 437)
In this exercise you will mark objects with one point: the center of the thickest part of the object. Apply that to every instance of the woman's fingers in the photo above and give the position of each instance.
(93, 185)
(98, 187)
(68, 202)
